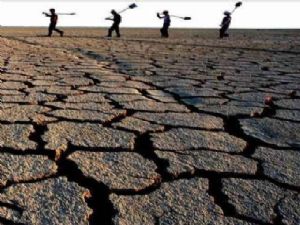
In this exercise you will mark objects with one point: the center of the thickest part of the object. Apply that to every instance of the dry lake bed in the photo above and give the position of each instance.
(190, 130)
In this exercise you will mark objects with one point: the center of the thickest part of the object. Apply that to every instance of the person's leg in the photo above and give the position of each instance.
(162, 32)
(167, 31)
(50, 30)
(59, 31)
(222, 32)
(110, 30)
(118, 30)
(226, 31)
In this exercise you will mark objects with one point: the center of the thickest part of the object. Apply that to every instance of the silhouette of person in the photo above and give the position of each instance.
(116, 24)
(53, 22)
(167, 22)
(225, 25)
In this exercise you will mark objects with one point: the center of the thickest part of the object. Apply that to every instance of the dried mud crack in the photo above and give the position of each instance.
(98, 200)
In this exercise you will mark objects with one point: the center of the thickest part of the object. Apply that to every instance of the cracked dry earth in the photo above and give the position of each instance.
(143, 131)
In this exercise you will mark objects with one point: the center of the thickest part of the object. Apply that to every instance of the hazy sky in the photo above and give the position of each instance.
(205, 14)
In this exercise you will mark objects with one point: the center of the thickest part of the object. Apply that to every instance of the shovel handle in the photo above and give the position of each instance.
(123, 10)
(177, 16)
(233, 10)
(66, 14)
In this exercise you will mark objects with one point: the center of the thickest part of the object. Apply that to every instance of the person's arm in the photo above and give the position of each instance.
(159, 16)
(46, 14)
(109, 18)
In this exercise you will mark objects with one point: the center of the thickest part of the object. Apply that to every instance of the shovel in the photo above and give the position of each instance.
(62, 14)
(131, 6)
(183, 18)
(237, 5)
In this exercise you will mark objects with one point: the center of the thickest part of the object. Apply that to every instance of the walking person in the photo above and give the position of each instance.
(225, 25)
(117, 19)
(167, 22)
(53, 22)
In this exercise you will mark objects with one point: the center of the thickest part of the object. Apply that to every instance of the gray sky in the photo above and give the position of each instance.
(205, 14)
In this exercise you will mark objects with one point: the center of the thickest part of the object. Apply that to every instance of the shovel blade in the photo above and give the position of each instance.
(132, 6)
(238, 4)
(187, 18)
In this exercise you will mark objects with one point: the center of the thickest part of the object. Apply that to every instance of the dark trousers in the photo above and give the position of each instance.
(52, 27)
(223, 31)
(114, 27)
(165, 31)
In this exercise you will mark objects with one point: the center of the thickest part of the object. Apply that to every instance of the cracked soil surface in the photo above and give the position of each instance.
(143, 131)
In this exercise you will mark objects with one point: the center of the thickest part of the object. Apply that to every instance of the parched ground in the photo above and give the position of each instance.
(144, 131)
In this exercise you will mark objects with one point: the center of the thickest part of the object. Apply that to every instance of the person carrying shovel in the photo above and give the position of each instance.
(225, 25)
(53, 22)
(117, 19)
(167, 22)
(227, 20)
(116, 24)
